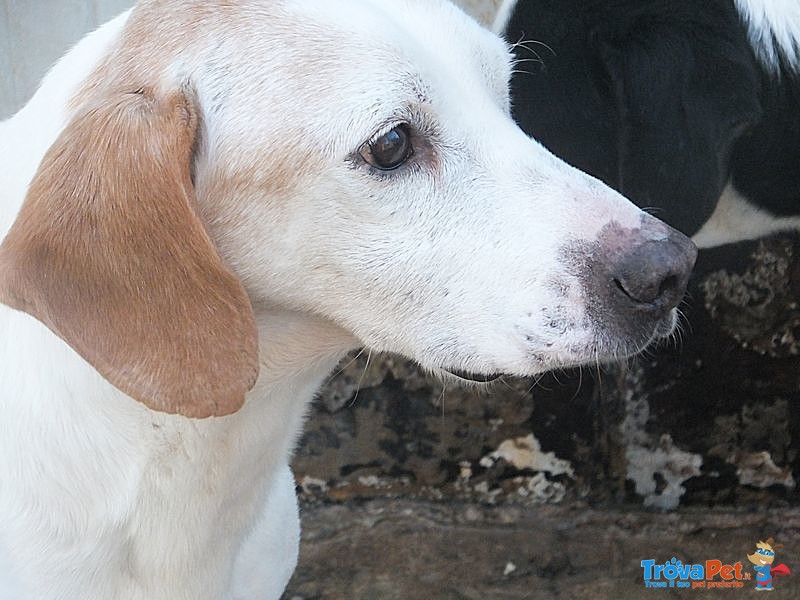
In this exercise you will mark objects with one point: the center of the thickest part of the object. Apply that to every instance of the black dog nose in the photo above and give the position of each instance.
(655, 273)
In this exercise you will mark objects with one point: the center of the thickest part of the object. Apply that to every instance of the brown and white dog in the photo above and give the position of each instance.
(204, 207)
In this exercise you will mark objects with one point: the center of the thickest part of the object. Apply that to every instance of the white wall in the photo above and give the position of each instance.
(35, 33)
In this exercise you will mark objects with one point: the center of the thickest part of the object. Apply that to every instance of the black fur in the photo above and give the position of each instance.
(663, 100)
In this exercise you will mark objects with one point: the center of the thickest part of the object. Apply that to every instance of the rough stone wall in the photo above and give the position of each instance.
(718, 414)
(400, 549)
(710, 420)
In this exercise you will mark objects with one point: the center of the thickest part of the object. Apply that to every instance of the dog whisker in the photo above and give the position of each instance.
(523, 43)
(361, 379)
(350, 362)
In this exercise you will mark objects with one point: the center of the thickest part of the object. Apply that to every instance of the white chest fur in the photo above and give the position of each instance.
(171, 507)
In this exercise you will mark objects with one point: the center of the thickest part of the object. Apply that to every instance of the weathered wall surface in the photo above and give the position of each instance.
(400, 549)
(712, 420)
(728, 397)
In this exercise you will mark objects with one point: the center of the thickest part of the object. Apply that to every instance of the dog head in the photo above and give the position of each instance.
(649, 97)
(350, 161)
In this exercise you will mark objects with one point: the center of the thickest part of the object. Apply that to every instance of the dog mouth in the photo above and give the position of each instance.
(601, 349)
(472, 377)
(626, 347)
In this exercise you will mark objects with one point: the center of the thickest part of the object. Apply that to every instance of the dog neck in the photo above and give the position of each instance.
(158, 474)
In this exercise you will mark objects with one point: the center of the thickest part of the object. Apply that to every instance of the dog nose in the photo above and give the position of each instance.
(654, 274)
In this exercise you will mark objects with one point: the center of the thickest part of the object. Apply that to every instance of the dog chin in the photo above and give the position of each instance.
(608, 348)
(596, 348)
(468, 377)
(602, 348)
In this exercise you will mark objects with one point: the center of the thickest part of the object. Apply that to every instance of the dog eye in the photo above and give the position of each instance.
(390, 150)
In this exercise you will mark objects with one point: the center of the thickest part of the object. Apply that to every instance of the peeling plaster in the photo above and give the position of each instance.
(526, 453)
(647, 457)
(759, 470)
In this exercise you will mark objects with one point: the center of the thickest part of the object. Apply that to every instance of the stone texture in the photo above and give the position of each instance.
(400, 549)
(728, 393)
(387, 429)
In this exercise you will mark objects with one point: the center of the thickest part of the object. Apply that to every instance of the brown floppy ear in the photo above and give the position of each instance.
(109, 253)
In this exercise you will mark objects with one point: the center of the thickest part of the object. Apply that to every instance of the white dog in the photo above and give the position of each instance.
(204, 207)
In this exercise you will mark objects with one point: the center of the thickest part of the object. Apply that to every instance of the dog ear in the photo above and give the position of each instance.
(109, 252)
(682, 101)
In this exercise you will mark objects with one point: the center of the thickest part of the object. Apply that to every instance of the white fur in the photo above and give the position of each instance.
(459, 266)
(773, 27)
(735, 219)
(503, 16)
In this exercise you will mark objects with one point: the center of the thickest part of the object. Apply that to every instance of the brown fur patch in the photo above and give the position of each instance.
(109, 253)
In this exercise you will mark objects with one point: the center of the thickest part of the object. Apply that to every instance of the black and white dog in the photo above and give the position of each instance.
(691, 108)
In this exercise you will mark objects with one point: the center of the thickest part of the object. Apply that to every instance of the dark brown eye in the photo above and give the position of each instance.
(390, 150)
